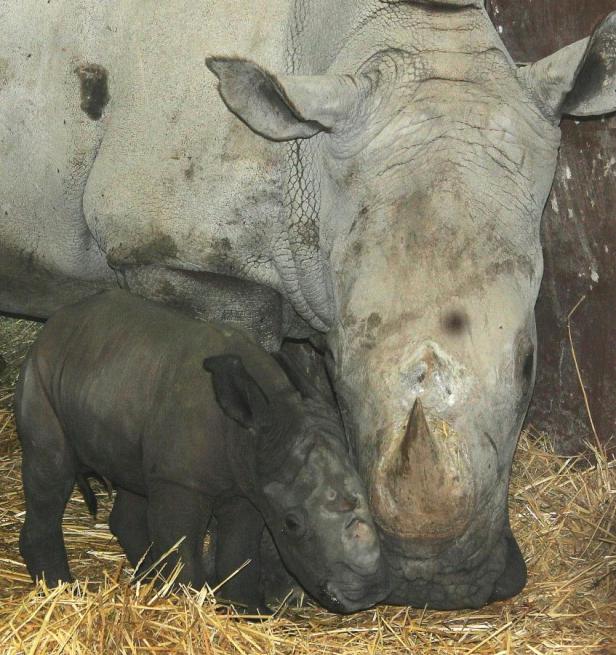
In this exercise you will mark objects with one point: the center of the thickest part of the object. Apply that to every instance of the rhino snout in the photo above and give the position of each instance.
(362, 545)
(355, 588)
(439, 379)
(359, 578)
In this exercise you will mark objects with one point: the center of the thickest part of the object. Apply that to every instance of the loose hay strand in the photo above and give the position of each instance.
(579, 373)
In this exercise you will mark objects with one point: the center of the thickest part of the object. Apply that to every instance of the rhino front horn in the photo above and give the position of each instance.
(417, 434)
(426, 488)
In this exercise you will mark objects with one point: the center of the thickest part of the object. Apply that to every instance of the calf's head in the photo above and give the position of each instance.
(435, 155)
(303, 482)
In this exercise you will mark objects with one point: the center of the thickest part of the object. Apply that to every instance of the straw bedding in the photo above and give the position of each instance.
(563, 511)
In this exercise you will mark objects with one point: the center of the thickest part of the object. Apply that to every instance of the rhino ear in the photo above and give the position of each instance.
(237, 392)
(579, 80)
(284, 108)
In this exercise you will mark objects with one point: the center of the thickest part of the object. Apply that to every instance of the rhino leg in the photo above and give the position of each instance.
(128, 522)
(240, 527)
(48, 473)
(176, 514)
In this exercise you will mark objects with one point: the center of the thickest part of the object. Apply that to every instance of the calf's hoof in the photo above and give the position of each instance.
(253, 613)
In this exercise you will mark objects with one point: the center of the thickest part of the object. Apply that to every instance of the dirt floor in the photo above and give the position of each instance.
(563, 511)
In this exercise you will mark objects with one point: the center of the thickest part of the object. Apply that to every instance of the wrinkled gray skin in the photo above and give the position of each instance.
(377, 177)
(130, 401)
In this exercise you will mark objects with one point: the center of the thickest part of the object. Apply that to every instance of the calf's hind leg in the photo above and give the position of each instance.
(48, 473)
(128, 522)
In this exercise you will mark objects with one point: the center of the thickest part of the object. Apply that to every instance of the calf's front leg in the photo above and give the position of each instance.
(175, 512)
(240, 527)
(128, 522)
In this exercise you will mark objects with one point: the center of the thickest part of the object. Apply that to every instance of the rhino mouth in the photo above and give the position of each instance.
(356, 589)
(454, 584)
(335, 599)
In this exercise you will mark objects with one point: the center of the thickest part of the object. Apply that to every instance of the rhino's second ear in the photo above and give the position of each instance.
(284, 108)
(579, 80)
(237, 392)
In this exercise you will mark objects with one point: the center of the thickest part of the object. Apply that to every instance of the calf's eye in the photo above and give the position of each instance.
(293, 524)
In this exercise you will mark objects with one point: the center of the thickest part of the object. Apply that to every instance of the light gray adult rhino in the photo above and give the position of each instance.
(375, 172)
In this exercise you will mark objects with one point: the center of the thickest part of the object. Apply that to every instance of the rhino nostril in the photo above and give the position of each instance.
(359, 530)
(361, 547)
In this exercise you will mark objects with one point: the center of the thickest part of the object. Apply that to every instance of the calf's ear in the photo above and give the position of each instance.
(297, 377)
(284, 108)
(579, 80)
(237, 392)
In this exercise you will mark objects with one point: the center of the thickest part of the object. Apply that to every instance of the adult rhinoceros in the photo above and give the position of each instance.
(383, 186)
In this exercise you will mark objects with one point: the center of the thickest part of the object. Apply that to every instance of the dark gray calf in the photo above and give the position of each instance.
(115, 385)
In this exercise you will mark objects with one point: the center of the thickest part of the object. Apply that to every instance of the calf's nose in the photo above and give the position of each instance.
(362, 544)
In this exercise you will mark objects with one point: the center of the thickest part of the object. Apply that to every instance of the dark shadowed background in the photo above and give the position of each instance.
(579, 239)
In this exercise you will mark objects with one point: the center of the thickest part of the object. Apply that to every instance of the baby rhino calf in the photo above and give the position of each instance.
(115, 385)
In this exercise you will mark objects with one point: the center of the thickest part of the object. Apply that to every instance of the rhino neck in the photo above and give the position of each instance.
(299, 255)
(300, 251)
(346, 38)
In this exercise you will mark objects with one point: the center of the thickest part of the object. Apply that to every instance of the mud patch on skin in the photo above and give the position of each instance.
(221, 260)
(374, 320)
(370, 327)
(189, 172)
(223, 245)
(94, 88)
(5, 72)
(455, 322)
(160, 249)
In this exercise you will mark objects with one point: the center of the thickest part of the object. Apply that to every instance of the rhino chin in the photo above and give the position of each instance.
(443, 585)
